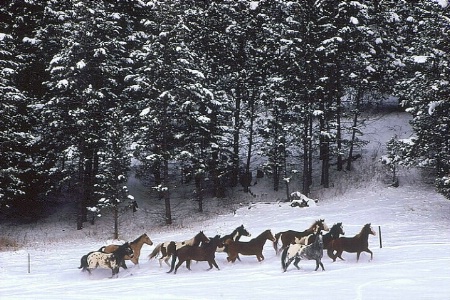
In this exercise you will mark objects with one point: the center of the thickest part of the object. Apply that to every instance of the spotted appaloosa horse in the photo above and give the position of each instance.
(288, 237)
(359, 243)
(112, 261)
(167, 248)
(136, 245)
(298, 252)
(252, 247)
(204, 253)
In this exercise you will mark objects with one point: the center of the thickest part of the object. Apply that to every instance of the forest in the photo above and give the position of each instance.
(91, 89)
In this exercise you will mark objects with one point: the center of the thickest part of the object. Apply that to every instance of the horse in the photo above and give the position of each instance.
(298, 252)
(136, 245)
(168, 248)
(204, 253)
(359, 243)
(112, 261)
(252, 247)
(288, 237)
(235, 236)
(335, 231)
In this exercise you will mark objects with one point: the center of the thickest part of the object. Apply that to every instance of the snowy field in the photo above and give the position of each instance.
(412, 264)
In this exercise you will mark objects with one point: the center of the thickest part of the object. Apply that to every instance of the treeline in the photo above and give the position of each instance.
(86, 86)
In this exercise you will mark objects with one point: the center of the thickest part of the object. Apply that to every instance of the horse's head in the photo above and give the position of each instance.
(147, 239)
(127, 249)
(368, 228)
(243, 231)
(216, 242)
(319, 239)
(201, 237)
(323, 225)
(336, 230)
(270, 236)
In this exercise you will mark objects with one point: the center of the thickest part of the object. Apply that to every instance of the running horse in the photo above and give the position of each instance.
(335, 231)
(136, 245)
(235, 235)
(298, 252)
(252, 247)
(112, 261)
(204, 253)
(359, 243)
(168, 248)
(292, 237)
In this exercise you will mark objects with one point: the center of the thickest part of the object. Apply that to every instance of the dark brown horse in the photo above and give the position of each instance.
(359, 243)
(136, 245)
(204, 253)
(290, 236)
(252, 247)
(335, 231)
(168, 248)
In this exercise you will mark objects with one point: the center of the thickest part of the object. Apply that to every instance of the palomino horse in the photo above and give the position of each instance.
(204, 253)
(335, 231)
(298, 252)
(289, 237)
(359, 243)
(136, 245)
(252, 247)
(168, 248)
(112, 261)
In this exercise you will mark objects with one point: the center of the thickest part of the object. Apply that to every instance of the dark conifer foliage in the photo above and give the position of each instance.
(206, 87)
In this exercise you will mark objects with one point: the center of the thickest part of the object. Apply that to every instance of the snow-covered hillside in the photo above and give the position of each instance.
(413, 262)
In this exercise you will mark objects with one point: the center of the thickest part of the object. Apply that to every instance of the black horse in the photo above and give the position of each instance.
(298, 252)
(334, 233)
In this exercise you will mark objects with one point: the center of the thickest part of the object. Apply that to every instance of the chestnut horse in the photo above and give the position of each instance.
(252, 247)
(335, 231)
(289, 237)
(136, 245)
(359, 243)
(168, 248)
(204, 253)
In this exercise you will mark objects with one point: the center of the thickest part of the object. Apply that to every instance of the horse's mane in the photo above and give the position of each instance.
(137, 240)
(316, 223)
(364, 230)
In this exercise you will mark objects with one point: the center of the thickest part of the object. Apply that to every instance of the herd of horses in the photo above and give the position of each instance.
(295, 246)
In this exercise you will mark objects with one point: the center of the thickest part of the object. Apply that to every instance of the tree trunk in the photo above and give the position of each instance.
(354, 128)
(236, 139)
(250, 139)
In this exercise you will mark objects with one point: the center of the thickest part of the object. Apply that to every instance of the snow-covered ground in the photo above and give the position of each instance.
(412, 264)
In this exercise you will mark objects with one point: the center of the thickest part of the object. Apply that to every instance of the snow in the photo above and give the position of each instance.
(412, 263)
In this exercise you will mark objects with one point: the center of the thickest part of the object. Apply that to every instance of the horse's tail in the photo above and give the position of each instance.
(155, 251)
(275, 243)
(283, 259)
(83, 262)
(330, 250)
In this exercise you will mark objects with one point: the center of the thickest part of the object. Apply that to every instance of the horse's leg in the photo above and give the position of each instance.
(297, 260)
(213, 261)
(166, 260)
(188, 264)
(357, 256)
(371, 253)
(321, 264)
(178, 265)
(330, 253)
